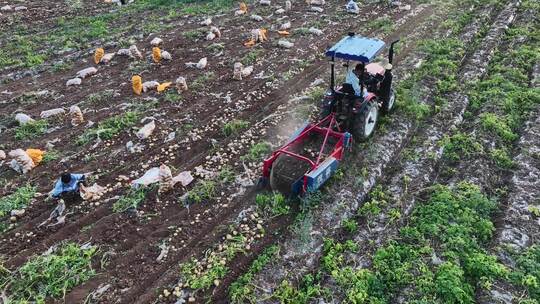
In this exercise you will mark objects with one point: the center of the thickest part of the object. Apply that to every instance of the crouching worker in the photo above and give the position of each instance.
(68, 187)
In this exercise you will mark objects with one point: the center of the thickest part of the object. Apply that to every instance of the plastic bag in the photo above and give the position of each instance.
(36, 155)
(73, 82)
(247, 71)
(285, 44)
(52, 112)
(185, 178)
(156, 54)
(166, 55)
(98, 54)
(162, 87)
(76, 115)
(107, 57)
(23, 119)
(146, 130)
(149, 85)
(206, 22)
(288, 5)
(2, 155)
(137, 84)
(151, 176)
(156, 41)
(202, 63)
(86, 72)
(352, 7)
(285, 26)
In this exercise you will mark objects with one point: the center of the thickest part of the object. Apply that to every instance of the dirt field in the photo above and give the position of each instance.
(441, 205)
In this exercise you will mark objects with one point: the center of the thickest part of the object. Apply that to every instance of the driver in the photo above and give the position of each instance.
(353, 79)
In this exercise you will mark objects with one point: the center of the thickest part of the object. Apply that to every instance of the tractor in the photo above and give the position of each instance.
(350, 111)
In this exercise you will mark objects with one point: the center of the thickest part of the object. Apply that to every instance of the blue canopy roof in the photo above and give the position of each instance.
(356, 48)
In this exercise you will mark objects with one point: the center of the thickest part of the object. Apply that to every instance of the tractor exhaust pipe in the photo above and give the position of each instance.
(386, 85)
(391, 52)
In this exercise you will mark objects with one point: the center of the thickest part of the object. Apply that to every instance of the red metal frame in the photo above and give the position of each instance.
(319, 127)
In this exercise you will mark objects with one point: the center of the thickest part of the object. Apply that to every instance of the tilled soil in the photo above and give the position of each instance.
(130, 241)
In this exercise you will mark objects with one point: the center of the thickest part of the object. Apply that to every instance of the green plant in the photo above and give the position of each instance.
(202, 191)
(493, 122)
(502, 158)
(110, 127)
(309, 288)
(226, 175)
(251, 56)
(17, 200)
(50, 155)
(31, 129)
(131, 199)
(173, 97)
(273, 203)
(200, 82)
(256, 152)
(193, 34)
(460, 146)
(234, 127)
(242, 290)
(350, 225)
(50, 275)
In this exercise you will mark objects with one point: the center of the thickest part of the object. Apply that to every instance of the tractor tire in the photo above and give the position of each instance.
(365, 122)
(388, 105)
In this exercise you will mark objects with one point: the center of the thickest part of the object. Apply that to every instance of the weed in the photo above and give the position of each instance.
(272, 203)
(234, 126)
(50, 155)
(200, 82)
(62, 66)
(17, 200)
(460, 146)
(308, 290)
(31, 129)
(226, 175)
(50, 275)
(110, 127)
(193, 34)
(384, 24)
(103, 96)
(202, 191)
(502, 158)
(493, 122)
(173, 97)
(130, 200)
(251, 56)
(256, 152)
(242, 291)
(350, 225)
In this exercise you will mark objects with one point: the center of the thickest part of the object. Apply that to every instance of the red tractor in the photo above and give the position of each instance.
(349, 111)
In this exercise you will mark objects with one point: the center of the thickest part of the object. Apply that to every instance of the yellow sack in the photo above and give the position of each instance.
(98, 55)
(263, 34)
(137, 84)
(243, 7)
(156, 54)
(36, 155)
(162, 87)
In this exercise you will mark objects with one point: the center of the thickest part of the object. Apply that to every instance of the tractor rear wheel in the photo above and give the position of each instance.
(388, 105)
(365, 122)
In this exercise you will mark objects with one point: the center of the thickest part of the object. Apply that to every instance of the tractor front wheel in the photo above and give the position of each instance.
(366, 121)
(388, 105)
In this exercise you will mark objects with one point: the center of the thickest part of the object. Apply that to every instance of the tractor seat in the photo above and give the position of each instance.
(347, 89)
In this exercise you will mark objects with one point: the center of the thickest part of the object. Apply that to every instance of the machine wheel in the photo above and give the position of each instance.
(285, 171)
(388, 105)
(366, 121)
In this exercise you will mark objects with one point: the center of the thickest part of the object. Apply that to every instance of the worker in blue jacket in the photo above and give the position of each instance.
(68, 186)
